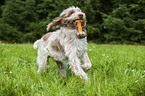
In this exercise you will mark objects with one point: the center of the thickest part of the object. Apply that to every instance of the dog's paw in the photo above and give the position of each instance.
(86, 66)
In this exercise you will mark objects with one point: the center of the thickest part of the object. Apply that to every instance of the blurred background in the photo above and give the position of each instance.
(109, 21)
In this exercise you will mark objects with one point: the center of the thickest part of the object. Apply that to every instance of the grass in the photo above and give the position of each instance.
(116, 71)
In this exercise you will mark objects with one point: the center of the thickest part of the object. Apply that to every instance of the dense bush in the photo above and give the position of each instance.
(108, 21)
(120, 26)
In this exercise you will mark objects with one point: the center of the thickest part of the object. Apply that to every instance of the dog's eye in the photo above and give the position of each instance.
(70, 13)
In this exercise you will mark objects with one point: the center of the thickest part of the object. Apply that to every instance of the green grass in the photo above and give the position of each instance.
(116, 71)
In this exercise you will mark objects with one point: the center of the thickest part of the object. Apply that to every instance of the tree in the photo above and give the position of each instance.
(2, 2)
(107, 21)
(9, 33)
(121, 26)
(18, 15)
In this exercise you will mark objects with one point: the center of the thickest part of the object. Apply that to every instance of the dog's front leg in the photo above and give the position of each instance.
(76, 67)
(86, 62)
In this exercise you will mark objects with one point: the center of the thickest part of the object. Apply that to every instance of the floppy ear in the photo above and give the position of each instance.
(84, 26)
(85, 21)
(55, 23)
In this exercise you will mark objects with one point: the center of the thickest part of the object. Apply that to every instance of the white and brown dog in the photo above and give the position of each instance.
(63, 45)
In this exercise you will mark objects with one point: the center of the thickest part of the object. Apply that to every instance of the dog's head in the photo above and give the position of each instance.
(67, 18)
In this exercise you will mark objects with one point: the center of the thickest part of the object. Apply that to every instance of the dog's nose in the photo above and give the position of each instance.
(80, 16)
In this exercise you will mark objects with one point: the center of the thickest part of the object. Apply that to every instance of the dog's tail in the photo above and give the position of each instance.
(37, 44)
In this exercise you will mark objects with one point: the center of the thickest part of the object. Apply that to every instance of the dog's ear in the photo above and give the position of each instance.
(84, 26)
(85, 22)
(55, 23)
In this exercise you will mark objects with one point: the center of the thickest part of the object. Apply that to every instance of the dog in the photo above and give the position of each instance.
(63, 45)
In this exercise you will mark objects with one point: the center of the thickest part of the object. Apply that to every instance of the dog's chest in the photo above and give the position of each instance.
(81, 47)
(75, 45)
(70, 42)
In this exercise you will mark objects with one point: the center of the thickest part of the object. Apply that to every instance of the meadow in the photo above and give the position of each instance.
(116, 71)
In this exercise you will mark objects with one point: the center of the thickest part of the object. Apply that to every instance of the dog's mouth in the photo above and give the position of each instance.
(79, 20)
(76, 20)
(79, 17)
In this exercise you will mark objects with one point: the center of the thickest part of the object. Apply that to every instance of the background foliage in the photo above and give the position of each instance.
(121, 21)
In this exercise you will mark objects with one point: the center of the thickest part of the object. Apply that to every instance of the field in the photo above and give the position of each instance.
(116, 71)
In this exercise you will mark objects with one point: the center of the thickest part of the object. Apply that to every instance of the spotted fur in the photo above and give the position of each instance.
(63, 45)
